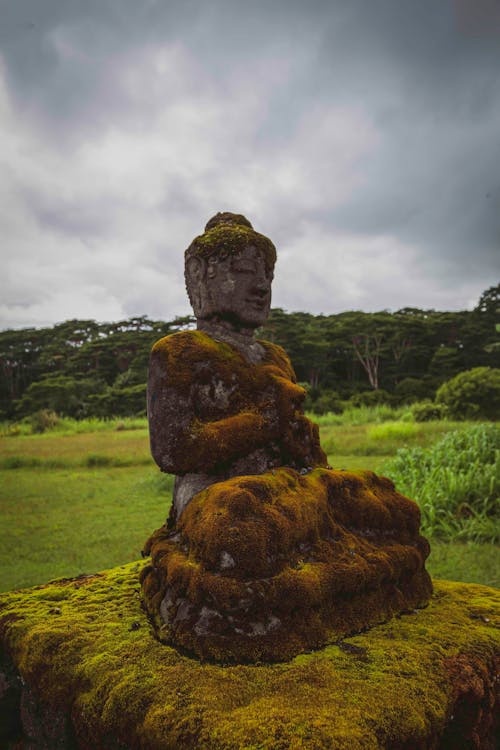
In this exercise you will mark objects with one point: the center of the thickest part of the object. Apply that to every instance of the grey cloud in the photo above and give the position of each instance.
(67, 216)
(261, 77)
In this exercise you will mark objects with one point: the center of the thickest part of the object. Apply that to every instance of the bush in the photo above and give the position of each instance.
(327, 403)
(456, 482)
(361, 415)
(409, 390)
(42, 420)
(426, 411)
(371, 398)
(473, 394)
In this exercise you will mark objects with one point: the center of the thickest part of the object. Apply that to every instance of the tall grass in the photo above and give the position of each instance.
(382, 439)
(393, 430)
(456, 482)
(357, 415)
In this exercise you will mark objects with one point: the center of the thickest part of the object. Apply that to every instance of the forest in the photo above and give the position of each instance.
(82, 368)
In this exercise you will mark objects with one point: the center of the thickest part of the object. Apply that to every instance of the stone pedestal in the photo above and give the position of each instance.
(82, 668)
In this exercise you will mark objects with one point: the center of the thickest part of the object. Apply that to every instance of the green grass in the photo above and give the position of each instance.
(382, 439)
(465, 561)
(69, 450)
(74, 500)
(66, 522)
(355, 415)
(68, 426)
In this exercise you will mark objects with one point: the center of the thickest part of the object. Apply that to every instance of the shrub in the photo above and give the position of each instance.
(473, 394)
(409, 390)
(360, 415)
(426, 411)
(42, 420)
(327, 403)
(456, 482)
(370, 398)
(10, 429)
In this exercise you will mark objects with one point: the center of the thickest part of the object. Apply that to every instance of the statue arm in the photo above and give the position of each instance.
(299, 436)
(181, 443)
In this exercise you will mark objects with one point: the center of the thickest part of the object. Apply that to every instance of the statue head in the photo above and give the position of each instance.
(229, 270)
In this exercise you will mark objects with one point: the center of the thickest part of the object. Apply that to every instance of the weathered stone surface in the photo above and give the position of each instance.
(91, 663)
(266, 552)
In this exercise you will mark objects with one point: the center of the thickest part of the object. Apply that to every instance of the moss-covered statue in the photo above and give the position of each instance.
(267, 551)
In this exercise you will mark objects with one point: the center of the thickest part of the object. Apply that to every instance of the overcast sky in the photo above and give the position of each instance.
(361, 136)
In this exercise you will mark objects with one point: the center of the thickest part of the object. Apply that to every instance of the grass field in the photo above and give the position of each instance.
(74, 501)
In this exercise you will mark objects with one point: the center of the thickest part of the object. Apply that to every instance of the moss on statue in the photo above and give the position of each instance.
(268, 566)
(267, 552)
(422, 680)
(192, 359)
(229, 239)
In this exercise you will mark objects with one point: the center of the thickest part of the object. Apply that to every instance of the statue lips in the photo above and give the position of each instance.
(258, 302)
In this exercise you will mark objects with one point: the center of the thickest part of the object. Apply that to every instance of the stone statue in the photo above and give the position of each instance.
(267, 551)
(221, 403)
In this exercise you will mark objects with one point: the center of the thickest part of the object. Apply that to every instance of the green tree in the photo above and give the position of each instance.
(60, 393)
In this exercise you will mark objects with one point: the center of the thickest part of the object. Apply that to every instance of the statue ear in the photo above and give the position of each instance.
(195, 272)
(196, 268)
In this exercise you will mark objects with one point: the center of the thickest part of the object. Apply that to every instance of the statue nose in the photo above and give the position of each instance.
(261, 287)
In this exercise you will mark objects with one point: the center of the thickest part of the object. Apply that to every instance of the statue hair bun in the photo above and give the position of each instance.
(225, 217)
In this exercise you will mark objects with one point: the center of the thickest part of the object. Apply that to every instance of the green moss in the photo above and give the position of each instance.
(229, 239)
(98, 657)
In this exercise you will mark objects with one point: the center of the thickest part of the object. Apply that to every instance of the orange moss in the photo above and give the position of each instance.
(271, 565)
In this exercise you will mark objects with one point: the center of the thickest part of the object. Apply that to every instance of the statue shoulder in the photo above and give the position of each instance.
(279, 357)
(184, 344)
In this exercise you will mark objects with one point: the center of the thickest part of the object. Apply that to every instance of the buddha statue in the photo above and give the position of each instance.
(267, 551)
(220, 402)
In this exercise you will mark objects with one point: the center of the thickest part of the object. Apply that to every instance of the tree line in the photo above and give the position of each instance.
(84, 368)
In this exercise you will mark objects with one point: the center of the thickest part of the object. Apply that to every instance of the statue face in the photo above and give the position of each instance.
(239, 288)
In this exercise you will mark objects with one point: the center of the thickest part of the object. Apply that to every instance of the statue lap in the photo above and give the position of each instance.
(265, 567)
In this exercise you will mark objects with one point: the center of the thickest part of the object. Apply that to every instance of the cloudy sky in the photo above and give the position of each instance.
(362, 136)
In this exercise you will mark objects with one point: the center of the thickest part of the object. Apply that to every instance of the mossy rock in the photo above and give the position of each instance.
(95, 676)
